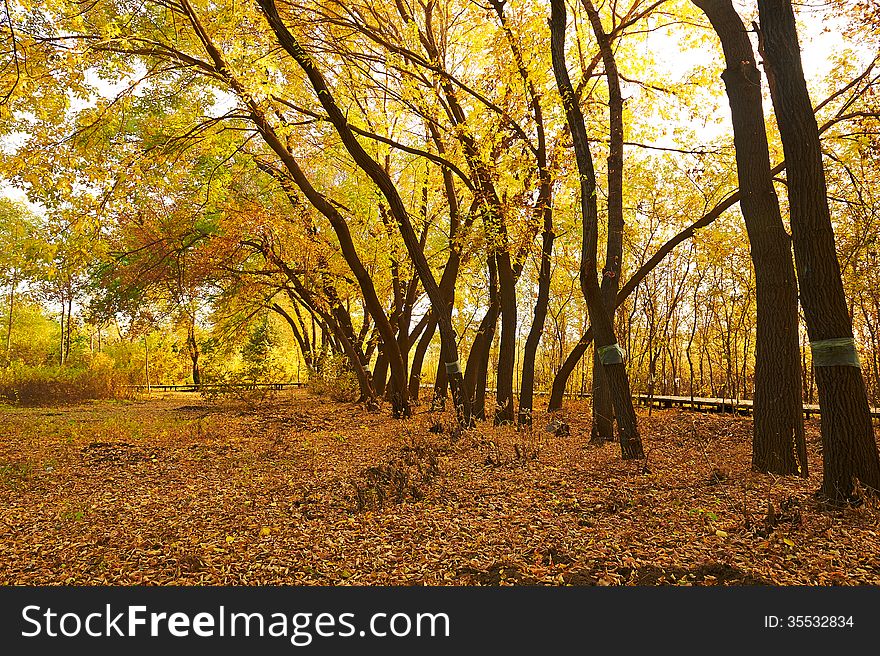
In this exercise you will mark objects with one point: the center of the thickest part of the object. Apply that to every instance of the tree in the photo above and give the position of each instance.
(21, 252)
(609, 350)
(396, 206)
(849, 448)
(778, 445)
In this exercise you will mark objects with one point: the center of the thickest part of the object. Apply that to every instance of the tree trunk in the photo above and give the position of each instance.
(449, 345)
(12, 286)
(367, 395)
(193, 348)
(69, 326)
(778, 445)
(530, 351)
(848, 445)
(380, 371)
(415, 371)
(477, 369)
(504, 413)
(560, 380)
(602, 406)
(63, 324)
(603, 329)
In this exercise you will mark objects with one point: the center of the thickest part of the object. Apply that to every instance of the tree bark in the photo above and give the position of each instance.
(63, 324)
(602, 406)
(449, 345)
(778, 444)
(603, 329)
(849, 448)
(193, 348)
(477, 370)
(12, 286)
(504, 412)
(69, 326)
(415, 371)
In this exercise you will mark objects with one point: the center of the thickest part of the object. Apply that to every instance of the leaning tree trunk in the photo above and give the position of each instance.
(778, 443)
(560, 380)
(603, 409)
(849, 448)
(448, 342)
(603, 329)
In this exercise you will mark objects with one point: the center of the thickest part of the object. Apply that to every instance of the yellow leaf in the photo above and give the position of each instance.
(788, 541)
(721, 534)
(265, 531)
(229, 539)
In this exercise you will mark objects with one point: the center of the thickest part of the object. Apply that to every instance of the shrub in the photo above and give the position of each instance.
(28, 385)
(334, 378)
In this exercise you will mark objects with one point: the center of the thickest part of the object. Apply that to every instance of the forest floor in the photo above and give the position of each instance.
(302, 490)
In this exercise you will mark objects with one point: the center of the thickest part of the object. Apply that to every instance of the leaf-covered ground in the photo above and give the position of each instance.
(176, 490)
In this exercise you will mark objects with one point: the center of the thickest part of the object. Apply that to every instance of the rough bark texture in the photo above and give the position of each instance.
(848, 445)
(415, 370)
(630, 441)
(603, 408)
(477, 370)
(778, 444)
(448, 341)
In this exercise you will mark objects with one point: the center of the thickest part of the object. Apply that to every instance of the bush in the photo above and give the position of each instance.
(28, 385)
(335, 379)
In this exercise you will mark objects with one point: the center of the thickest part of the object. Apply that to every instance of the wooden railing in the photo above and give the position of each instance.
(698, 403)
(733, 406)
(210, 387)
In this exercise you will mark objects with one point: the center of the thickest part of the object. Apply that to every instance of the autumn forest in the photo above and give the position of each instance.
(471, 292)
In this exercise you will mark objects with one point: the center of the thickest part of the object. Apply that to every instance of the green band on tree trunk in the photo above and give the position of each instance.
(838, 352)
(453, 367)
(611, 354)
